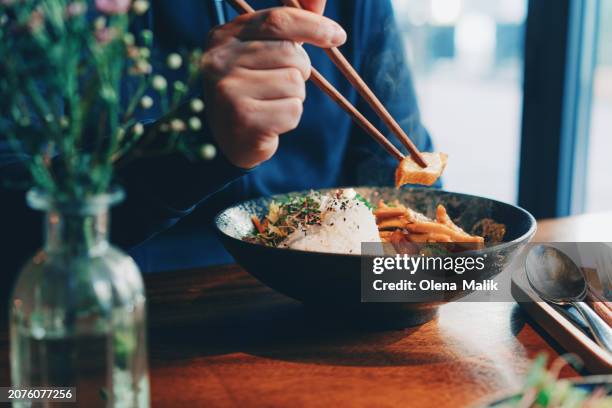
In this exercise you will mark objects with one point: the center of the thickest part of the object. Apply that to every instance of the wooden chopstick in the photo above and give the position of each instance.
(596, 297)
(600, 305)
(366, 93)
(361, 120)
(243, 7)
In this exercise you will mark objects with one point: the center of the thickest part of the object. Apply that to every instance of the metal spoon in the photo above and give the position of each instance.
(557, 279)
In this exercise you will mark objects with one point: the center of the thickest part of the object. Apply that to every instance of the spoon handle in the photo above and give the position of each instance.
(601, 331)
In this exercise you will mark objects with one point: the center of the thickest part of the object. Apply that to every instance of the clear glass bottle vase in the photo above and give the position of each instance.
(78, 313)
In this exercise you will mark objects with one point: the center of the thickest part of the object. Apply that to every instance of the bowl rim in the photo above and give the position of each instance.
(526, 237)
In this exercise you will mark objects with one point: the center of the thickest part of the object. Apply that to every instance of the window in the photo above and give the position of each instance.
(599, 170)
(467, 59)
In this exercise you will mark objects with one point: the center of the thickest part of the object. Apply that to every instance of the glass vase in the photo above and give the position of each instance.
(78, 313)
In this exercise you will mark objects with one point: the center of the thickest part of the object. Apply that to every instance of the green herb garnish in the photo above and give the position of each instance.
(365, 201)
(286, 216)
(543, 389)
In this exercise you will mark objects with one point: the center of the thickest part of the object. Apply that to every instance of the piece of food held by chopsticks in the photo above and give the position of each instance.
(409, 172)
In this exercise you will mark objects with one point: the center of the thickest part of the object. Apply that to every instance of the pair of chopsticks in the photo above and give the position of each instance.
(359, 84)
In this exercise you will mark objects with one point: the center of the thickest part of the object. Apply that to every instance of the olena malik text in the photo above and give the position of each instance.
(431, 285)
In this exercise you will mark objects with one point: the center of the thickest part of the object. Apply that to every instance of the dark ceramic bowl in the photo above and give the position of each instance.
(332, 282)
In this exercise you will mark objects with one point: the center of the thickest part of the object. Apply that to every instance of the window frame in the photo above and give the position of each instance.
(560, 60)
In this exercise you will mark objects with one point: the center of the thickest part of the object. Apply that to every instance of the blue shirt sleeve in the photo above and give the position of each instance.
(379, 56)
(162, 191)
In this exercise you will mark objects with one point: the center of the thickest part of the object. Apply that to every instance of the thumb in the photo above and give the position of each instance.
(316, 6)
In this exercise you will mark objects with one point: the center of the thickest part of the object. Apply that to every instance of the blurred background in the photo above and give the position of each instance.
(468, 59)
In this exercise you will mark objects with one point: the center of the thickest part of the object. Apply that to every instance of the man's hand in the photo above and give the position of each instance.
(255, 75)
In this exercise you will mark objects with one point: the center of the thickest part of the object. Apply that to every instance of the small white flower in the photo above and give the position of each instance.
(159, 83)
(197, 105)
(64, 122)
(208, 152)
(132, 52)
(195, 123)
(140, 7)
(146, 102)
(145, 52)
(138, 129)
(128, 39)
(48, 118)
(120, 134)
(174, 61)
(100, 23)
(177, 125)
(142, 67)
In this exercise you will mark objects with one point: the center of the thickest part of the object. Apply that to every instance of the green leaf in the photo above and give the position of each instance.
(537, 373)
(365, 201)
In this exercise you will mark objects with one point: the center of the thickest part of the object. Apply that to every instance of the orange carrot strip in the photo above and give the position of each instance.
(257, 224)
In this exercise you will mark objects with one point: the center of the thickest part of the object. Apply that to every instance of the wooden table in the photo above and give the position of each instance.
(218, 338)
(584, 228)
